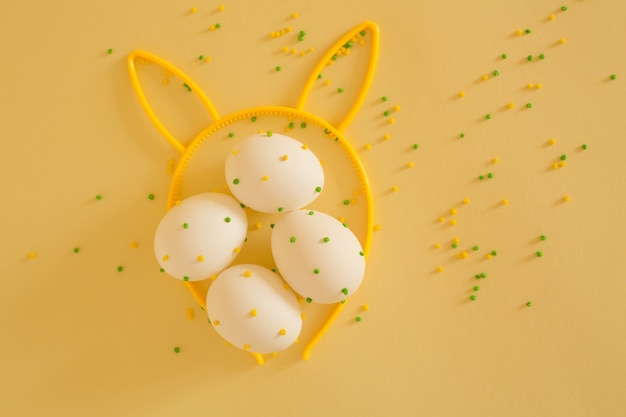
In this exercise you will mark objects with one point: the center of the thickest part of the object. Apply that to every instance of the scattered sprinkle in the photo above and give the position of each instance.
(529, 304)
(613, 76)
(472, 297)
(119, 268)
(150, 196)
(176, 349)
(109, 51)
(505, 202)
(439, 269)
(539, 254)
(76, 249)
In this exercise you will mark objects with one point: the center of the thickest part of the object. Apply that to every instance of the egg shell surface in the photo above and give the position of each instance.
(253, 309)
(274, 173)
(318, 256)
(196, 238)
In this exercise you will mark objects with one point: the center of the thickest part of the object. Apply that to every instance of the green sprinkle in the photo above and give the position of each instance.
(176, 349)
(462, 135)
(231, 135)
(185, 278)
(490, 175)
(358, 319)
(269, 133)
(218, 25)
(496, 73)
(472, 297)
(161, 270)
(454, 245)
(76, 249)
(280, 209)
(483, 275)
(318, 189)
(98, 197)
(319, 76)
(253, 119)
(361, 253)
(487, 116)
(384, 98)
(292, 125)
(481, 177)
(311, 212)
(292, 239)
(150, 196)
(316, 271)
(201, 57)
(334, 57)
(539, 254)
(475, 248)
(340, 90)
(613, 76)
(227, 219)
(563, 157)
(120, 268)
(527, 31)
(530, 57)
(564, 8)
(362, 33)
(278, 68)
(272, 225)
(542, 56)
(542, 237)
(529, 105)
(346, 202)
(415, 146)
(494, 253)
(529, 304)
(476, 288)
(303, 125)
(477, 276)
(187, 87)
(109, 51)
(344, 291)
(243, 206)
(504, 56)
(236, 181)
(326, 239)
(584, 146)
(308, 300)
(386, 113)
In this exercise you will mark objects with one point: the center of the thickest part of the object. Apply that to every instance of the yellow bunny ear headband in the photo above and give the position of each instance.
(334, 132)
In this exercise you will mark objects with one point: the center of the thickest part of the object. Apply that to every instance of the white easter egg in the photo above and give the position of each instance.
(200, 236)
(273, 173)
(253, 309)
(318, 256)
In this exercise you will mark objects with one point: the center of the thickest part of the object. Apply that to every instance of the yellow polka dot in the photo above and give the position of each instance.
(216, 322)
(552, 141)
(282, 332)
(530, 85)
(178, 202)
(505, 202)
(235, 152)
(200, 258)
(453, 222)
(327, 82)
(464, 255)
(134, 245)
(538, 85)
(456, 240)
(284, 49)
(365, 307)
(258, 225)
(213, 277)
(461, 94)
(165, 258)
(396, 108)
(519, 32)
(555, 165)
(189, 314)
(495, 160)
(221, 8)
(353, 201)
(247, 274)
(441, 219)
(193, 10)
(376, 227)
(394, 188)
(368, 146)
(437, 245)
(253, 313)
(410, 164)
(236, 249)
(305, 147)
(207, 59)
(552, 17)
(274, 354)
(284, 157)
(466, 200)
(303, 316)
(439, 269)
(562, 41)
(246, 347)
(265, 178)
(485, 77)
(563, 164)
(453, 211)
(511, 105)
(488, 256)
(32, 255)
(387, 136)
(566, 198)
(392, 120)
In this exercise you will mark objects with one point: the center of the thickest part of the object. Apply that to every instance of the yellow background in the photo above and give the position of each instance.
(79, 338)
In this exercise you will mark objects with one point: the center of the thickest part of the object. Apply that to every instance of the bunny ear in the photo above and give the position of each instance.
(191, 85)
(341, 48)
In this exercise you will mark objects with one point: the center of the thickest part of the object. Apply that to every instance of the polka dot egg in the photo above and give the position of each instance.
(200, 236)
(320, 258)
(273, 173)
(253, 309)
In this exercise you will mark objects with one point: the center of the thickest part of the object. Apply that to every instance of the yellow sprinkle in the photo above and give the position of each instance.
(356, 191)
(394, 188)
(286, 286)
(368, 146)
(562, 41)
(305, 146)
(519, 32)
(274, 354)
(265, 178)
(376, 227)
(353, 201)
(410, 164)
(213, 277)
(342, 219)
(178, 202)
(296, 341)
(456, 240)
(221, 8)
(539, 85)
(284, 157)
(194, 9)
(207, 59)
(253, 313)
(246, 347)
(236, 249)
(552, 17)
(441, 219)
(170, 166)
(396, 108)
(439, 269)
(387, 136)
(327, 82)
(488, 256)
(294, 15)
(437, 245)
(555, 165)
(458, 256)
(282, 332)
(505, 202)
(461, 94)
(288, 28)
(566, 198)
(466, 200)
(32, 255)
(303, 316)
(453, 211)
(511, 105)
(552, 141)
(361, 41)
(247, 274)
(235, 152)
(311, 50)
(190, 314)
(464, 255)
(165, 81)
(453, 222)
(293, 52)
(495, 160)
(134, 245)
(531, 85)
(285, 49)
(365, 307)
(563, 164)
(303, 53)
(392, 120)
(200, 258)
(212, 27)
(485, 77)
(165, 258)
(258, 225)
(216, 322)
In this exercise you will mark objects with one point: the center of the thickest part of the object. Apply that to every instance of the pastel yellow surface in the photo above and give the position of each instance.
(80, 338)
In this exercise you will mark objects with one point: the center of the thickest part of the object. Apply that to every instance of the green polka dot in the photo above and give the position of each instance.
(316, 271)
(292, 239)
(227, 219)
(150, 196)
(185, 278)
(176, 349)
(236, 181)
